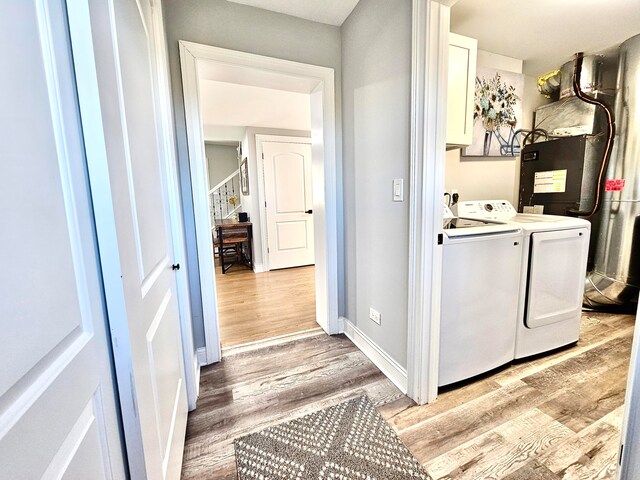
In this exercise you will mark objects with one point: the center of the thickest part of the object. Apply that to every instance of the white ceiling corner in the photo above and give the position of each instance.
(546, 33)
(331, 12)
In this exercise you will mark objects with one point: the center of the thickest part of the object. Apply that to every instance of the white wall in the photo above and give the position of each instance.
(222, 161)
(478, 178)
(251, 202)
(229, 104)
(248, 29)
(376, 54)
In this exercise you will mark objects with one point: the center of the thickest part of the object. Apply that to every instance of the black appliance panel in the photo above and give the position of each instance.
(559, 154)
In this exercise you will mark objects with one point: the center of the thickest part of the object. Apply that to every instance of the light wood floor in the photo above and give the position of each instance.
(556, 417)
(258, 306)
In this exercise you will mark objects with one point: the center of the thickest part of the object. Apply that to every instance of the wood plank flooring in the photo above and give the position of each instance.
(258, 306)
(554, 417)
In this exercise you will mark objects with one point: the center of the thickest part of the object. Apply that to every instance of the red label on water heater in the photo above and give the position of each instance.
(614, 185)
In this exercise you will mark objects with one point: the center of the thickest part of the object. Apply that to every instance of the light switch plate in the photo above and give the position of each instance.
(398, 190)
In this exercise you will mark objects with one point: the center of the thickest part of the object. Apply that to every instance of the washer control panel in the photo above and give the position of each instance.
(486, 209)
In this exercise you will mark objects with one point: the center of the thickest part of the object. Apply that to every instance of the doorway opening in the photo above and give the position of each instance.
(261, 134)
(263, 237)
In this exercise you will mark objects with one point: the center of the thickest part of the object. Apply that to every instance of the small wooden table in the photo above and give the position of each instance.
(234, 233)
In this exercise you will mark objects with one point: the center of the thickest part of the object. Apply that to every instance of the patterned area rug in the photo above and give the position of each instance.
(350, 441)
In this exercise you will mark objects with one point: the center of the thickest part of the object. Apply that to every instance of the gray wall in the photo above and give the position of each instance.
(222, 161)
(239, 27)
(376, 83)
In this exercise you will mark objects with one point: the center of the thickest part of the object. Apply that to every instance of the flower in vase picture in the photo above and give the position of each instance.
(496, 114)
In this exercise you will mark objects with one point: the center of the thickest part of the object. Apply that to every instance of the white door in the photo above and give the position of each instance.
(289, 204)
(147, 343)
(58, 415)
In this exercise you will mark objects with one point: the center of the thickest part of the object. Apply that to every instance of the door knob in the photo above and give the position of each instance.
(309, 211)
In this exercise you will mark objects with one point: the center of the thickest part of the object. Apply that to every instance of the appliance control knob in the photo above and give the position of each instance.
(488, 207)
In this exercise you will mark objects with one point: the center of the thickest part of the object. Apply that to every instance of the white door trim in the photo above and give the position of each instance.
(430, 38)
(191, 364)
(260, 138)
(323, 126)
(629, 456)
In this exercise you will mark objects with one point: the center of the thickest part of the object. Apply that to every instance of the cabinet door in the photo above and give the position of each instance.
(461, 89)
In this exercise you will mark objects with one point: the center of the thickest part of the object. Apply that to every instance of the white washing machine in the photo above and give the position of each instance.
(480, 278)
(554, 264)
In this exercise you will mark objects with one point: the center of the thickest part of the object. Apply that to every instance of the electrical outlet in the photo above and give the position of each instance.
(374, 315)
(454, 191)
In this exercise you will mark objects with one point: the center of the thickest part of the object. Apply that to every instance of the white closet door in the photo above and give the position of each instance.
(58, 417)
(148, 347)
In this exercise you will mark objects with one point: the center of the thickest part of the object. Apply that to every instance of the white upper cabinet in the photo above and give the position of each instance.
(462, 74)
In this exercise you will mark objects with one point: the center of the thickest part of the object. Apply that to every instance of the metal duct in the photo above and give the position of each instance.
(590, 79)
(615, 278)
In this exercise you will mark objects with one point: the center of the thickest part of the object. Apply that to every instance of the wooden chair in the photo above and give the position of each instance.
(231, 247)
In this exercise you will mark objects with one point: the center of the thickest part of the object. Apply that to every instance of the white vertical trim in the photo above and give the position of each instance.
(323, 141)
(199, 188)
(428, 138)
(192, 376)
(262, 202)
(629, 457)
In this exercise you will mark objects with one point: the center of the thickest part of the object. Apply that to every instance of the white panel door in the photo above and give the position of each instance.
(153, 389)
(289, 209)
(557, 267)
(58, 415)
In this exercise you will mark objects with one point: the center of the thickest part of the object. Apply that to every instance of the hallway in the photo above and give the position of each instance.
(549, 418)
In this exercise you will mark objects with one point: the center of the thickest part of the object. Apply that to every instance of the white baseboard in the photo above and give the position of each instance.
(201, 353)
(258, 268)
(381, 359)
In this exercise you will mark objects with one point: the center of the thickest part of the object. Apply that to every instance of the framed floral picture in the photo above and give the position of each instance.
(497, 114)
(244, 177)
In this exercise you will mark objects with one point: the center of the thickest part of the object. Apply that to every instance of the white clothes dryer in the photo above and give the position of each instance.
(553, 269)
(479, 308)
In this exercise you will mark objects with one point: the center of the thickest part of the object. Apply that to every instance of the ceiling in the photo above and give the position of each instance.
(332, 12)
(229, 73)
(546, 33)
(225, 105)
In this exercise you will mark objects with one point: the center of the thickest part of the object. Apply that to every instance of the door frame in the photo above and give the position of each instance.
(262, 194)
(628, 452)
(323, 128)
(430, 41)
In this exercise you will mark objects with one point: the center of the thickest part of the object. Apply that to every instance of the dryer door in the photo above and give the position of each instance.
(557, 268)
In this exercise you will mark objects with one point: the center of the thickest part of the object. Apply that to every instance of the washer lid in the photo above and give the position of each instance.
(459, 228)
(452, 223)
